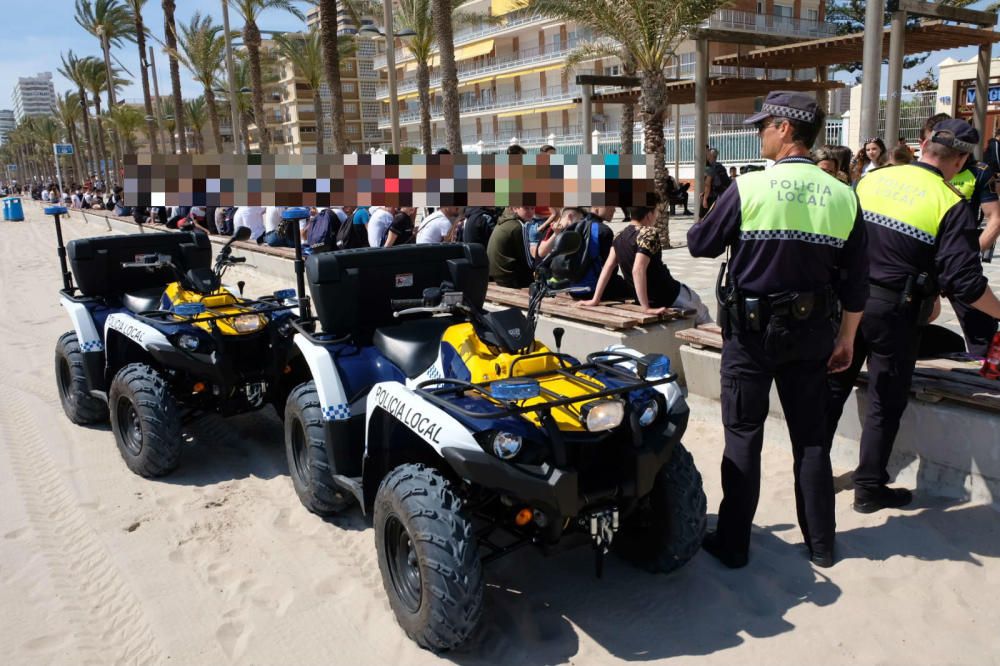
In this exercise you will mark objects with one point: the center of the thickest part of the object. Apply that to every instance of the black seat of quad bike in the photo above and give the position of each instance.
(143, 300)
(353, 289)
(413, 345)
(97, 262)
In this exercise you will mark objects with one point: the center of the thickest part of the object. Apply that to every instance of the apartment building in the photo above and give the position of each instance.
(7, 124)
(34, 96)
(358, 88)
(512, 83)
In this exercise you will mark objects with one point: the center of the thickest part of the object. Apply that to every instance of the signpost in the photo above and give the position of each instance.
(57, 150)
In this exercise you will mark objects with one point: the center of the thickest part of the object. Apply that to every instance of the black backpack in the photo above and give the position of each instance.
(322, 236)
(583, 267)
(479, 225)
(720, 179)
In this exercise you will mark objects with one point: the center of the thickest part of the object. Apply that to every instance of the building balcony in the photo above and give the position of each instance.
(524, 59)
(734, 19)
(526, 101)
(513, 21)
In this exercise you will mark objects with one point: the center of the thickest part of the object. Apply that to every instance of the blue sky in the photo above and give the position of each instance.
(35, 36)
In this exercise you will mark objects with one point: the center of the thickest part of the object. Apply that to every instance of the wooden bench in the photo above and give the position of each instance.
(612, 315)
(954, 378)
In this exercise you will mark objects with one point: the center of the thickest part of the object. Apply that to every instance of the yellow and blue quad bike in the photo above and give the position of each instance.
(464, 438)
(157, 340)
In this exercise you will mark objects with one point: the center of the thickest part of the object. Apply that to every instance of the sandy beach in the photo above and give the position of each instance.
(219, 563)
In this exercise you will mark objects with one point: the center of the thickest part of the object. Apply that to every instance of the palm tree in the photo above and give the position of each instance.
(136, 6)
(305, 53)
(415, 15)
(644, 33)
(127, 120)
(69, 112)
(331, 60)
(95, 81)
(111, 22)
(203, 48)
(241, 78)
(441, 11)
(170, 34)
(251, 10)
(73, 70)
(195, 112)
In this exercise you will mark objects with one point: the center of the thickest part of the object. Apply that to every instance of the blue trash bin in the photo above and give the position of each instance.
(16, 211)
(6, 209)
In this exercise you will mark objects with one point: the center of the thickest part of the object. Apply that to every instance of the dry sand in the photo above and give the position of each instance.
(219, 563)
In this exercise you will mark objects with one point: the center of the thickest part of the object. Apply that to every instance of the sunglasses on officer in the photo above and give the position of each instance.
(762, 125)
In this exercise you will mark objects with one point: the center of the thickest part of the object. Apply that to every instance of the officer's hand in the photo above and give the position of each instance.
(843, 354)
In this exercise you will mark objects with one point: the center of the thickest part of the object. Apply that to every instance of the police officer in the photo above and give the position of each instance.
(975, 183)
(798, 256)
(922, 241)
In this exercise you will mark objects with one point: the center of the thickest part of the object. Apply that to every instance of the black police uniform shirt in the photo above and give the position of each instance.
(765, 264)
(980, 188)
(953, 256)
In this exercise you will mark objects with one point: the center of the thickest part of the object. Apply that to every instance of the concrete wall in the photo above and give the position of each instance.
(942, 448)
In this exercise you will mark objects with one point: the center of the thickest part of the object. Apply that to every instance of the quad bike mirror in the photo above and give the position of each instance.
(241, 234)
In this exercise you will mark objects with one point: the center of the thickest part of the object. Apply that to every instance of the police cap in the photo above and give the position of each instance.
(956, 134)
(786, 104)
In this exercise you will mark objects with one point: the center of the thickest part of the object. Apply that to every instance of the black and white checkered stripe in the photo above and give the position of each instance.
(792, 234)
(901, 227)
(789, 112)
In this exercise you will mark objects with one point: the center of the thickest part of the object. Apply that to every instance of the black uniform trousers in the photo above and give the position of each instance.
(747, 374)
(889, 339)
(978, 327)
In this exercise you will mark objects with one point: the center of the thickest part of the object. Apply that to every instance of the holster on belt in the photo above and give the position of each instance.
(916, 297)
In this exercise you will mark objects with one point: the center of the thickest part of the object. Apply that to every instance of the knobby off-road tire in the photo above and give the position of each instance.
(668, 528)
(428, 557)
(305, 448)
(145, 420)
(81, 407)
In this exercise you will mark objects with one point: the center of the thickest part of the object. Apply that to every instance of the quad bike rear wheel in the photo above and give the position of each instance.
(81, 407)
(428, 557)
(305, 447)
(667, 529)
(145, 420)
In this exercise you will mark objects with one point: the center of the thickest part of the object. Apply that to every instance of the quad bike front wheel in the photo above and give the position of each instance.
(145, 420)
(667, 529)
(305, 448)
(81, 407)
(428, 557)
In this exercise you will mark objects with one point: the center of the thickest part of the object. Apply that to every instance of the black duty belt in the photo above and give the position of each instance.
(908, 299)
(749, 312)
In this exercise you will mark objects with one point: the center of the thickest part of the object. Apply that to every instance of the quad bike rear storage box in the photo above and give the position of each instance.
(97, 262)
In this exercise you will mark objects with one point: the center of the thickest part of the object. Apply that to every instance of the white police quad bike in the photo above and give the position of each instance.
(157, 339)
(464, 438)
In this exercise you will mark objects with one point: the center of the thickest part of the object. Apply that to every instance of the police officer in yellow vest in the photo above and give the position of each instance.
(975, 182)
(921, 241)
(798, 257)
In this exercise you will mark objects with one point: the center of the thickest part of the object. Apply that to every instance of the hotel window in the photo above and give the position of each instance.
(350, 107)
(812, 14)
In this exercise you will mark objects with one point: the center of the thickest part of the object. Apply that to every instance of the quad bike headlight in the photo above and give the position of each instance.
(187, 342)
(247, 323)
(649, 412)
(602, 415)
(506, 445)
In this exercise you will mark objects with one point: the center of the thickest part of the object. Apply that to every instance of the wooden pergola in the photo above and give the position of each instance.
(722, 88)
(924, 38)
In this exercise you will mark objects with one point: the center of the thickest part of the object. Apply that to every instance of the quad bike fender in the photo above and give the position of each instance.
(128, 340)
(329, 388)
(402, 427)
(91, 345)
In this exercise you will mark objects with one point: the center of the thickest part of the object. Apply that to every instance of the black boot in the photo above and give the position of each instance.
(884, 497)
(712, 545)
